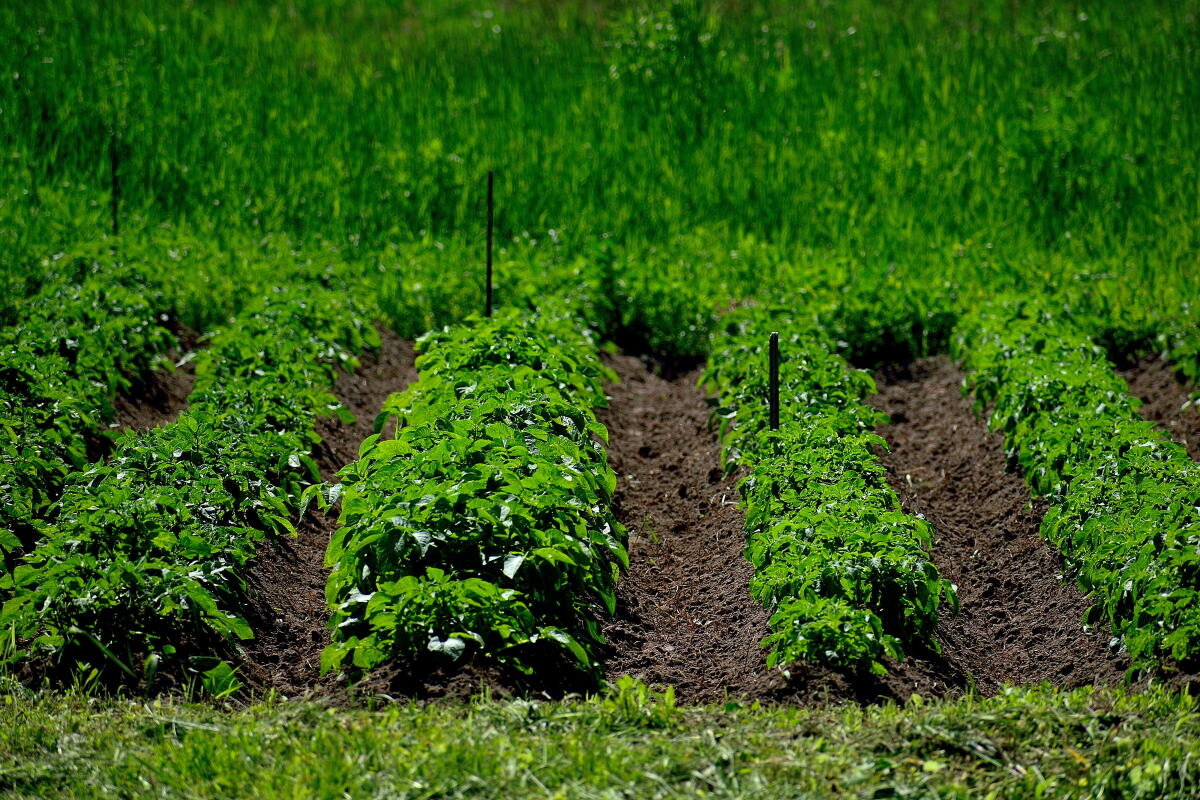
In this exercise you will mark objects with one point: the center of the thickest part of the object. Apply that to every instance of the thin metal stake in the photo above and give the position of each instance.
(774, 381)
(490, 213)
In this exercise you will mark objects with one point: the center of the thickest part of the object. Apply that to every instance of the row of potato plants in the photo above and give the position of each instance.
(77, 346)
(1125, 500)
(148, 550)
(844, 571)
(484, 526)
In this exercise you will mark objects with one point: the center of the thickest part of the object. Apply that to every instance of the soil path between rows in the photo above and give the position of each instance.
(1019, 622)
(160, 396)
(287, 578)
(685, 617)
(1167, 400)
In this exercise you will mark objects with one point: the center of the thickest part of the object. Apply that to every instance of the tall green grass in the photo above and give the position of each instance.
(880, 133)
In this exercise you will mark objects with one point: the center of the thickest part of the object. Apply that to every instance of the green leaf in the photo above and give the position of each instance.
(451, 646)
(221, 681)
(513, 563)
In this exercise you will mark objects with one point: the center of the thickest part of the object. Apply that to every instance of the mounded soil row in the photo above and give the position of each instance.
(287, 578)
(1020, 622)
(1167, 400)
(685, 617)
(684, 614)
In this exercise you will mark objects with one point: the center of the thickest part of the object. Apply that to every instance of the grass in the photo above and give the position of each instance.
(999, 142)
(629, 743)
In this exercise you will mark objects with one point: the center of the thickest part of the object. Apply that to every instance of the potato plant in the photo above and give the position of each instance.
(149, 549)
(1179, 342)
(1125, 500)
(484, 525)
(78, 344)
(845, 573)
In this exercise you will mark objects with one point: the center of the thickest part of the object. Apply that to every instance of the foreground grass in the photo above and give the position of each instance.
(1022, 744)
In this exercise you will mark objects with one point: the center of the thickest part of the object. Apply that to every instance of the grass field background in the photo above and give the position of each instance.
(1000, 143)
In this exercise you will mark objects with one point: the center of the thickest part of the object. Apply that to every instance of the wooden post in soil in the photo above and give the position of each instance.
(490, 226)
(773, 385)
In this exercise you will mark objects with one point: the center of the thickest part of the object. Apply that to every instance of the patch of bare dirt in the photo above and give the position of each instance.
(685, 617)
(1019, 622)
(1167, 400)
(160, 396)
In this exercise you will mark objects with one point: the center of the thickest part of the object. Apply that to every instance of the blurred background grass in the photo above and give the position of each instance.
(877, 145)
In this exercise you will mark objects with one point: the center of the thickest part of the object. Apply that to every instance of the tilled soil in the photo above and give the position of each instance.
(685, 617)
(287, 578)
(1019, 622)
(1167, 400)
(162, 395)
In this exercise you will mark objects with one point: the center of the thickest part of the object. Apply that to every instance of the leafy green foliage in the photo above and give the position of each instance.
(841, 126)
(630, 742)
(484, 525)
(632, 704)
(148, 549)
(845, 573)
(260, 143)
(78, 344)
(1125, 500)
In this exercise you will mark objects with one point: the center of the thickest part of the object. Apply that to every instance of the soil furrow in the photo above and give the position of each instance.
(162, 395)
(1167, 400)
(684, 614)
(1019, 622)
(287, 579)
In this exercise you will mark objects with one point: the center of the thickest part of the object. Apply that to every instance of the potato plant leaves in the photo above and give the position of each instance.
(486, 521)
(150, 548)
(844, 571)
(1125, 501)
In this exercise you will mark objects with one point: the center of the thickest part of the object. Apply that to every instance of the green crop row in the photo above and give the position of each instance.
(484, 525)
(845, 573)
(147, 551)
(78, 345)
(1125, 500)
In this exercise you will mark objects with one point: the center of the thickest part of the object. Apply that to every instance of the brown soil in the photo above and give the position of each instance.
(160, 396)
(684, 614)
(158, 399)
(1165, 396)
(1019, 623)
(287, 578)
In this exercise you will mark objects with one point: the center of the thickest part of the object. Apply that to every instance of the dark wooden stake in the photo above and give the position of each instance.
(490, 212)
(774, 382)
(114, 166)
